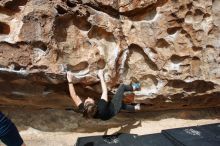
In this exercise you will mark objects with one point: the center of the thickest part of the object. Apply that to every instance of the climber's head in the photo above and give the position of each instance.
(90, 108)
(89, 101)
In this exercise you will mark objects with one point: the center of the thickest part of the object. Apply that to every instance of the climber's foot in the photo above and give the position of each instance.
(135, 84)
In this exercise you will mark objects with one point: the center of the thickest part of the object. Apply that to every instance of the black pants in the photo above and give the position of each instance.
(9, 133)
(118, 97)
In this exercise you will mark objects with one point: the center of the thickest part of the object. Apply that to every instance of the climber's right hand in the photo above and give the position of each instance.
(100, 73)
(69, 76)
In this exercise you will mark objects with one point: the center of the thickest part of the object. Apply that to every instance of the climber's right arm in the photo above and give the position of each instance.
(73, 94)
(104, 87)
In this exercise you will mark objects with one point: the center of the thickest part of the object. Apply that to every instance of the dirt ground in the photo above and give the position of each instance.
(62, 128)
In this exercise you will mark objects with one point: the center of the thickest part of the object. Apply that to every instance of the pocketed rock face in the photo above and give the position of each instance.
(171, 46)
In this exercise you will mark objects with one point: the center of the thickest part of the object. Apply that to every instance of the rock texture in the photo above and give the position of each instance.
(171, 46)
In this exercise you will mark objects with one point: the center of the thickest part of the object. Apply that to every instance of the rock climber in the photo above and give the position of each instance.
(9, 134)
(104, 109)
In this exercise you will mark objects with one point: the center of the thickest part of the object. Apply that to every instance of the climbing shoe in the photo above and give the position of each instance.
(135, 84)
